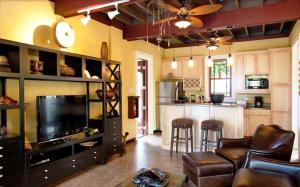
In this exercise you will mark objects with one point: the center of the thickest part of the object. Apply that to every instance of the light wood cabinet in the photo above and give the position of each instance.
(238, 73)
(282, 119)
(262, 63)
(280, 98)
(249, 64)
(280, 66)
(182, 68)
(255, 117)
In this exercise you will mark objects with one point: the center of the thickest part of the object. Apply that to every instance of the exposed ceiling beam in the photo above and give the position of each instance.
(202, 36)
(264, 29)
(176, 40)
(247, 32)
(230, 32)
(237, 4)
(68, 8)
(281, 27)
(289, 10)
(134, 13)
(124, 18)
(143, 6)
(102, 17)
(189, 38)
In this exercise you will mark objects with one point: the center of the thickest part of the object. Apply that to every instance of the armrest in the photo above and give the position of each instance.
(242, 142)
(267, 164)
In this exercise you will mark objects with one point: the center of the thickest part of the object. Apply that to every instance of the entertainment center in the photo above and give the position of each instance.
(65, 144)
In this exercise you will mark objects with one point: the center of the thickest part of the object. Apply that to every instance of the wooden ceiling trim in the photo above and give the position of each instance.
(289, 10)
(230, 32)
(143, 6)
(102, 17)
(247, 32)
(68, 8)
(264, 29)
(281, 27)
(134, 13)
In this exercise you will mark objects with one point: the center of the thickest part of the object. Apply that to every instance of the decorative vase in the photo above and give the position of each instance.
(104, 50)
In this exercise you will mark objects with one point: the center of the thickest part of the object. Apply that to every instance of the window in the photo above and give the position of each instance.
(220, 78)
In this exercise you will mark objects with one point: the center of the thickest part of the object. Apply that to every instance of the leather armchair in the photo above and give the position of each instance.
(266, 172)
(268, 141)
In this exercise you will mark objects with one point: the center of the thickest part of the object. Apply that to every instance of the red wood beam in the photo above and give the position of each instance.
(68, 8)
(284, 11)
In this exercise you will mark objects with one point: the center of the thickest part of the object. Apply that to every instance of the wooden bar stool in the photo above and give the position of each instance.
(210, 125)
(187, 125)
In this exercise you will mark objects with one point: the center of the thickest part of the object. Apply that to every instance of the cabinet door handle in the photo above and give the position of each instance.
(74, 166)
(46, 177)
(1, 167)
(94, 157)
(1, 147)
(46, 170)
(1, 176)
(1, 156)
(95, 152)
(73, 160)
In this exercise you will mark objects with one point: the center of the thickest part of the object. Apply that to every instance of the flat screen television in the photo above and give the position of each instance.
(60, 116)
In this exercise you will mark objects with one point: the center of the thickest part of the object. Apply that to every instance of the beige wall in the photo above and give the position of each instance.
(31, 21)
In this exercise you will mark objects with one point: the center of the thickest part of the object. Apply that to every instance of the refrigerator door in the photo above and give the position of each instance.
(167, 89)
(166, 99)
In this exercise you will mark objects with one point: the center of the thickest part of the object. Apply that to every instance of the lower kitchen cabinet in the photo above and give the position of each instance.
(282, 119)
(255, 117)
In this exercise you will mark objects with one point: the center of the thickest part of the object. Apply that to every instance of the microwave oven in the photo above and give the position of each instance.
(257, 83)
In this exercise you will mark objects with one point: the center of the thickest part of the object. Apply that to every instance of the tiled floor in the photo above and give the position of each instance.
(145, 153)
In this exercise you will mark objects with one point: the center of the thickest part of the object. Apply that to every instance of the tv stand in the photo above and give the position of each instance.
(44, 159)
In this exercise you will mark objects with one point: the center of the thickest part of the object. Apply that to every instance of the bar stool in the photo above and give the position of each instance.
(210, 125)
(187, 125)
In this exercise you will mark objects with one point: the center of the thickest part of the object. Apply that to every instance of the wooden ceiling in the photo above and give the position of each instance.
(244, 20)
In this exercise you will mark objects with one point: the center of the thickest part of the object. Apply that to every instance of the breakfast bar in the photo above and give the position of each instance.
(232, 116)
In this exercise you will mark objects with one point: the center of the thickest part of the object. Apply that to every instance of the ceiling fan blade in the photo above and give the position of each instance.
(205, 9)
(224, 38)
(165, 20)
(225, 42)
(196, 22)
(167, 6)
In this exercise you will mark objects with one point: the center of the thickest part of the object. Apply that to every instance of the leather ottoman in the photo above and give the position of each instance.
(206, 169)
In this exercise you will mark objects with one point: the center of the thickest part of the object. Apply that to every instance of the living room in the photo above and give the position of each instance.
(100, 92)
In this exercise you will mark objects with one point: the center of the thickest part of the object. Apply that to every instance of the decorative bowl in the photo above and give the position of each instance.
(217, 98)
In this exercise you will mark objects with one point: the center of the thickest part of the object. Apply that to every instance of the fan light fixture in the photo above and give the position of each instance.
(183, 24)
(212, 47)
(86, 19)
(113, 14)
(173, 64)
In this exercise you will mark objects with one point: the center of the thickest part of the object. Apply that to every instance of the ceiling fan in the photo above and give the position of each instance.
(214, 40)
(184, 16)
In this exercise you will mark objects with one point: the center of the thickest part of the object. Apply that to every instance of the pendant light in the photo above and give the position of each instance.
(209, 62)
(191, 63)
(230, 61)
(173, 63)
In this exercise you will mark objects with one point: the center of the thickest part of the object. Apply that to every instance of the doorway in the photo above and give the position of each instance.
(142, 88)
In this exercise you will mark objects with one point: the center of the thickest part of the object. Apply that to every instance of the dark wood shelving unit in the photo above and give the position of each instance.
(69, 156)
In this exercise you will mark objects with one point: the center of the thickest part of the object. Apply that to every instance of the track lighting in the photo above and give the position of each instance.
(113, 14)
(86, 19)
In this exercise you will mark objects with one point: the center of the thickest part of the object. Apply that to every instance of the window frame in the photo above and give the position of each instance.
(210, 79)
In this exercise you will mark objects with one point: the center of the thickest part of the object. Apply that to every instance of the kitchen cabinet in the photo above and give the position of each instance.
(238, 73)
(280, 98)
(280, 66)
(282, 119)
(196, 71)
(255, 117)
(262, 63)
(249, 64)
(182, 68)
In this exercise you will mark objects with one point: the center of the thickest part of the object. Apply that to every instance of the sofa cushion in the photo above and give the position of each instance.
(235, 155)
(256, 178)
(207, 164)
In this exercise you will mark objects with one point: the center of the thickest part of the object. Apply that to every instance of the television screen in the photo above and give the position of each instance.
(59, 116)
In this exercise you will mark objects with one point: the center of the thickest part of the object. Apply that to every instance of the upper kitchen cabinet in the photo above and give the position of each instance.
(280, 66)
(256, 63)
(238, 73)
(196, 71)
(166, 68)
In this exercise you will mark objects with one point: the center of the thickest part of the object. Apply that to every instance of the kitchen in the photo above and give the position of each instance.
(254, 84)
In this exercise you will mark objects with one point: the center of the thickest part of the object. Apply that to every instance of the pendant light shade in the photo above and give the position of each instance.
(209, 62)
(230, 60)
(191, 63)
(173, 64)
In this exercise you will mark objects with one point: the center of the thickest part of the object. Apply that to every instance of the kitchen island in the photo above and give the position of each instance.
(231, 114)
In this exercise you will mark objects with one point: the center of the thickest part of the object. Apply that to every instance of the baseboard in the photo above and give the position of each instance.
(131, 140)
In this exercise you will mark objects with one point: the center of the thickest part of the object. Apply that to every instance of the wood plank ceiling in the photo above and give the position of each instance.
(243, 20)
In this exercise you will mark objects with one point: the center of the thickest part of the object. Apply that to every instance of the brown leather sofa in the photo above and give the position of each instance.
(268, 141)
(264, 172)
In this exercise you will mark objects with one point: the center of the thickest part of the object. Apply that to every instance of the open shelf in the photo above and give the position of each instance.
(75, 63)
(6, 107)
(94, 67)
(78, 147)
(9, 75)
(12, 53)
(56, 78)
(48, 60)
